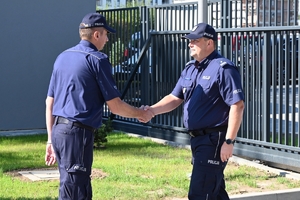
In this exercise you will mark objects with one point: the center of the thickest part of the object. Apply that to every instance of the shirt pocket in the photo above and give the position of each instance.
(204, 90)
(187, 86)
(205, 84)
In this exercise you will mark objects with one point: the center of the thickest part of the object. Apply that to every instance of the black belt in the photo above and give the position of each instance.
(62, 120)
(195, 133)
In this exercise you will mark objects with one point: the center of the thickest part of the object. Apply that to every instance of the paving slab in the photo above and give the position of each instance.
(40, 175)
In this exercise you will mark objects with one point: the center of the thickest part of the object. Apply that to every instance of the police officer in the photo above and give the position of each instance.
(210, 88)
(80, 84)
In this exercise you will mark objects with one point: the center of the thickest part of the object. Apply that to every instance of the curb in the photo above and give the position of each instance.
(291, 194)
(22, 132)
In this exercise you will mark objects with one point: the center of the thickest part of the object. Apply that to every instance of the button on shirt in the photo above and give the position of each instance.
(81, 83)
(208, 88)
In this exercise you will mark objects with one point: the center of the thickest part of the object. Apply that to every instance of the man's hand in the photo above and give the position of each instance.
(226, 151)
(147, 114)
(50, 158)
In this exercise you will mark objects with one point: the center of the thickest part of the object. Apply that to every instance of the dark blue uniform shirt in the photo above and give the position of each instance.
(81, 83)
(208, 88)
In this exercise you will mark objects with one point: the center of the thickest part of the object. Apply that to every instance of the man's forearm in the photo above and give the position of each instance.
(166, 104)
(119, 107)
(235, 119)
(49, 117)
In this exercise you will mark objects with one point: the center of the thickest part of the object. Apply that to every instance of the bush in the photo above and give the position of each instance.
(101, 134)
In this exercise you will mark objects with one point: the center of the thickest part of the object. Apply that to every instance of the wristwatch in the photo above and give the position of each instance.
(229, 141)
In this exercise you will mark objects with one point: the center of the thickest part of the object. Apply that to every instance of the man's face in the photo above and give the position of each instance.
(201, 48)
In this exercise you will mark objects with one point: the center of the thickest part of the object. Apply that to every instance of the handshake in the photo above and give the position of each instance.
(147, 114)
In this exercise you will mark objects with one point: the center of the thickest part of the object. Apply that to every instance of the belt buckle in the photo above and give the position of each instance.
(191, 134)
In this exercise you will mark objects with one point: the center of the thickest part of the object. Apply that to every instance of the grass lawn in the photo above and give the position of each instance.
(135, 168)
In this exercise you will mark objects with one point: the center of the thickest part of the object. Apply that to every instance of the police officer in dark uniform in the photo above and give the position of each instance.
(211, 90)
(80, 84)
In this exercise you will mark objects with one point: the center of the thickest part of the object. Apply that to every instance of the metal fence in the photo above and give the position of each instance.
(268, 61)
(154, 56)
(253, 13)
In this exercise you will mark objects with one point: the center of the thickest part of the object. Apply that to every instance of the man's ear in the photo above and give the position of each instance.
(211, 42)
(96, 34)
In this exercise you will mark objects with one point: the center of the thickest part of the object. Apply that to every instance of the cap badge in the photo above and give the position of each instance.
(85, 25)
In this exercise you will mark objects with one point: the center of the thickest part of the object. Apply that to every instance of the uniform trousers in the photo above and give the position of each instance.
(207, 179)
(73, 148)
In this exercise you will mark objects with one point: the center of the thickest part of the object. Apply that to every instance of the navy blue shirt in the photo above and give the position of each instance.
(81, 83)
(208, 89)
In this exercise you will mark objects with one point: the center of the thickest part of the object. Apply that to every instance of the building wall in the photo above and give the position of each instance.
(33, 33)
(278, 12)
(110, 4)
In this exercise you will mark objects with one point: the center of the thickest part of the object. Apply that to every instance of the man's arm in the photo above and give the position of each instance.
(119, 107)
(234, 123)
(166, 104)
(50, 158)
(49, 116)
(235, 119)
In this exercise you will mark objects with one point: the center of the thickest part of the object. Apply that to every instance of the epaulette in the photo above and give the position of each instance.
(223, 62)
(103, 54)
(190, 63)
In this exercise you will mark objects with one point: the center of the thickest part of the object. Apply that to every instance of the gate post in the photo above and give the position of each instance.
(202, 11)
(266, 83)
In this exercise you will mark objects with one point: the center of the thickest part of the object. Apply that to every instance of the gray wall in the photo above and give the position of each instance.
(32, 34)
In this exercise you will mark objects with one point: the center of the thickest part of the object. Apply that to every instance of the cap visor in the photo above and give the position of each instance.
(191, 36)
(109, 29)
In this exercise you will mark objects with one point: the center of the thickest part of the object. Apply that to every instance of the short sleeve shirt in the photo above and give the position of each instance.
(81, 83)
(208, 89)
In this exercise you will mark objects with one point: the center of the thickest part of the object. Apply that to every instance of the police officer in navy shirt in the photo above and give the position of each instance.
(211, 90)
(80, 84)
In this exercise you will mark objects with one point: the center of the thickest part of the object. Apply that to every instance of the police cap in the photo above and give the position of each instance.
(202, 30)
(95, 20)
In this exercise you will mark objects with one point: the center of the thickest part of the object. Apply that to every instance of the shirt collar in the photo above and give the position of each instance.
(88, 44)
(203, 63)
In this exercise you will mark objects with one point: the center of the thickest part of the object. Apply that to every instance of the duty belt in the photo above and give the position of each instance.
(62, 120)
(195, 133)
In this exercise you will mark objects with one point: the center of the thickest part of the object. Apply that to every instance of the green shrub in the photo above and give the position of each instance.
(101, 134)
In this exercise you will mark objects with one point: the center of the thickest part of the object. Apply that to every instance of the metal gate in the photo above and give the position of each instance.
(148, 55)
